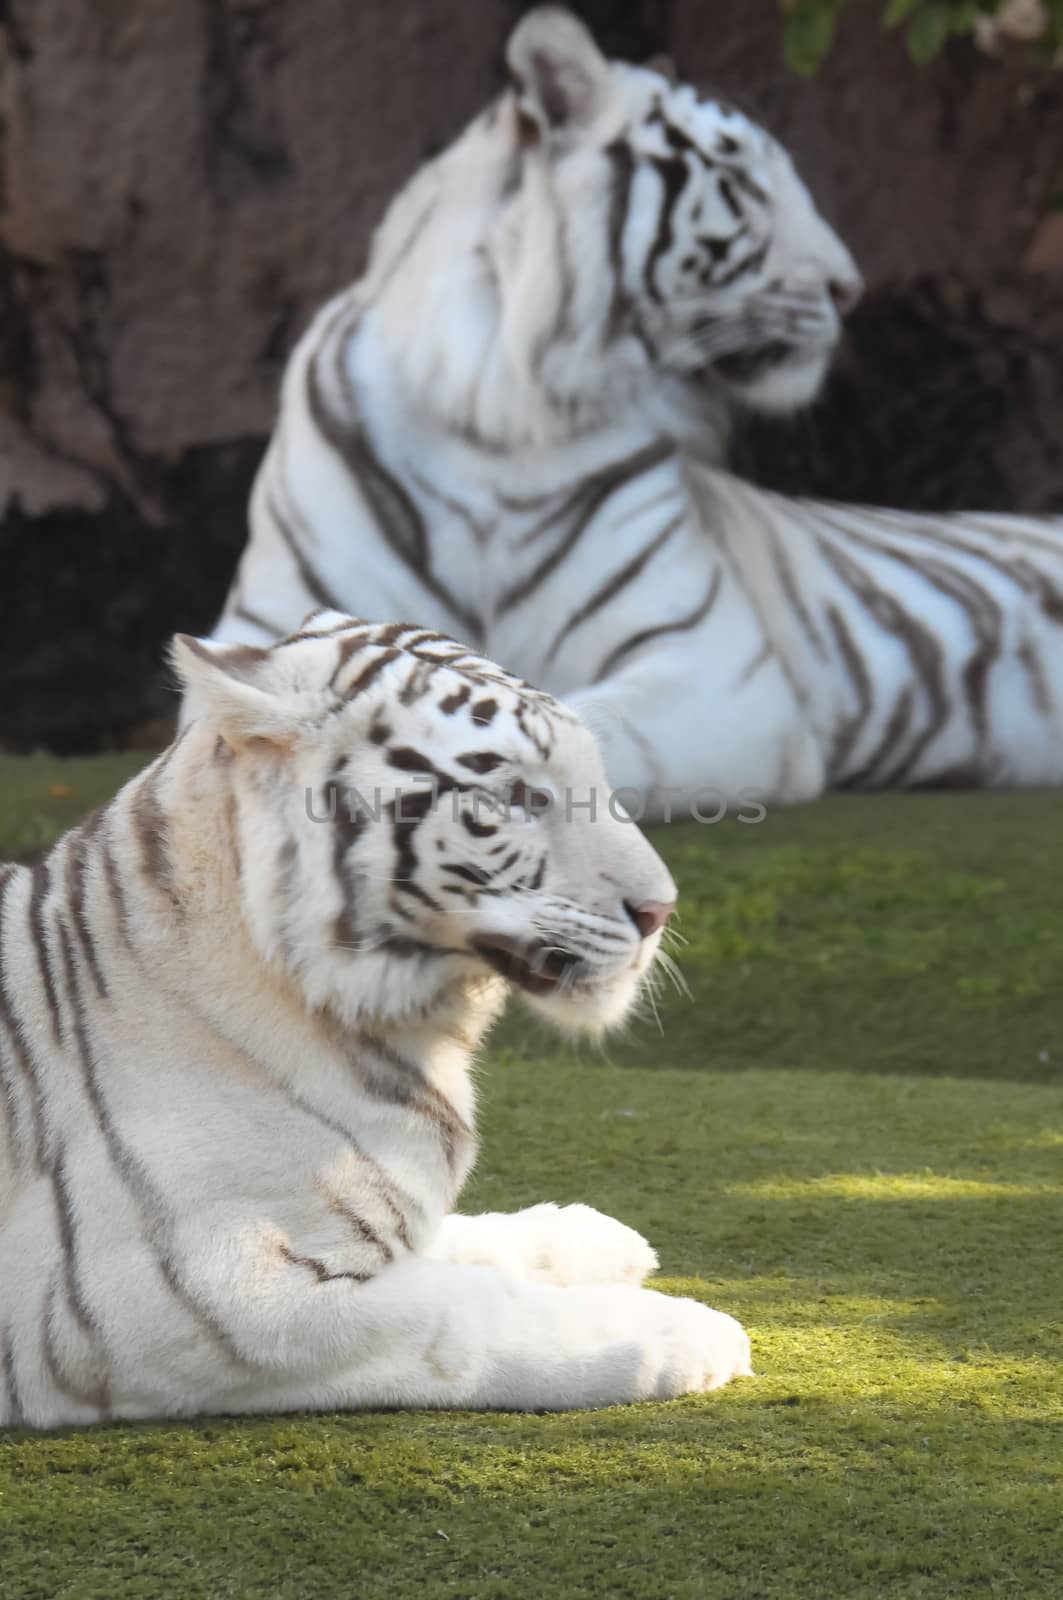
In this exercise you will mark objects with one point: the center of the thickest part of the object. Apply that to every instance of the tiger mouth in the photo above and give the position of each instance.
(537, 969)
(743, 366)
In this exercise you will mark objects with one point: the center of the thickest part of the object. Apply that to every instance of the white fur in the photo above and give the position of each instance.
(235, 1048)
(503, 355)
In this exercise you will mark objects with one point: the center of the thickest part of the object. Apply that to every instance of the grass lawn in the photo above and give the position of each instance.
(851, 1137)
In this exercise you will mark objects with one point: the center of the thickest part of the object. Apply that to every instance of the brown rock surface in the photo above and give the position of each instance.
(182, 181)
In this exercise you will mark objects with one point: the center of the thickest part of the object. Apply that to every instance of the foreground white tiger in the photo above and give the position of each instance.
(497, 432)
(234, 1056)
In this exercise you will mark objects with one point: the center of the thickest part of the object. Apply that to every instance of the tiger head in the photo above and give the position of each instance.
(622, 229)
(717, 255)
(410, 817)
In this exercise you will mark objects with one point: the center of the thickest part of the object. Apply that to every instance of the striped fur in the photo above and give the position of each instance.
(507, 429)
(237, 1012)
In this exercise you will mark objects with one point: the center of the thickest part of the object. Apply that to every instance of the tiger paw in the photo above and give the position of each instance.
(575, 1244)
(691, 1348)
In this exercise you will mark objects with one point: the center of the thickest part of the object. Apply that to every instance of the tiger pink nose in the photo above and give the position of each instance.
(650, 915)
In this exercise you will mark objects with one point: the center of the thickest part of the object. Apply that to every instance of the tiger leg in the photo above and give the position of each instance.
(553, 1244)
(434, 1334)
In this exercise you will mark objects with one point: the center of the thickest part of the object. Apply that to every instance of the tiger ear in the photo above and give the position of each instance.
(229, 685)
(562, 78)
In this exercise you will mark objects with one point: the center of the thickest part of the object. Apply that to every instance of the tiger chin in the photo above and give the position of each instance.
(238, 1008)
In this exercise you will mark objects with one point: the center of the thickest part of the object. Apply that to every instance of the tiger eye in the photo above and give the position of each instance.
(534, 801)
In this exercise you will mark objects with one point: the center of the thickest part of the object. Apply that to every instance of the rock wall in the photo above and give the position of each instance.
(182, 181)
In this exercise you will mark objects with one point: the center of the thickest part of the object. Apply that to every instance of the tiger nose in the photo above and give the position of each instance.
(846, 293)
(650, 915)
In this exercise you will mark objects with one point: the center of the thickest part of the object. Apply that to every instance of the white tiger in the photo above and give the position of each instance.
(503, 430)
(235, 1101)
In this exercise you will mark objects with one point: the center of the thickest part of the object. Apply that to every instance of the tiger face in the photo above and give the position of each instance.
(719, 264)
(412, 817)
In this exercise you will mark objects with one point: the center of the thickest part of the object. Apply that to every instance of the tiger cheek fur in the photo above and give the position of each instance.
(237, 1012)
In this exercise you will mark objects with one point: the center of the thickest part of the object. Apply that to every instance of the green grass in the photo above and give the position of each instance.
(41, 797)
(851, 1137)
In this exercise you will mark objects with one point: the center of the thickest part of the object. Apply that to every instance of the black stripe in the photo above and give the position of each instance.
(849, 730)
(382, 1185)
(12, 1110)
(588, 501)
(480, 531)
(621, 173)
(20, 1051)
(681, 625)
(612, 586)
(395, 513)
(349, 645)
(673, 173)
(348, 824)
(359, 1226)
(407, 1086)
(453, 702)
(983, 612)
(483, 712)
(272, 630)
(480, 761)
(750, 263)
(897, 726)
(370, 672)
(479, 830)
(924, 648)
(765, 654)
(39, 938)
(416, 685)
(97, 1392)
(114, 888)
(306, 631)
(319, 1269)
(289, 532)
(68, 1243)
(470, 874)
(76, 865)
(151, 828)
(1020, 572)
(156, 1226)
(800, 511)
(1033, 667)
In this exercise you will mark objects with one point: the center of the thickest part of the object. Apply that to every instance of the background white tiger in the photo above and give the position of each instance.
(505, 429)
(235, 1101)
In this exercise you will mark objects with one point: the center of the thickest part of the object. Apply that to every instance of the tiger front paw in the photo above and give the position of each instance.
(575, 1244)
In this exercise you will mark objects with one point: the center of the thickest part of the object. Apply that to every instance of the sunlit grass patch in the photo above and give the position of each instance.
(891, 1186)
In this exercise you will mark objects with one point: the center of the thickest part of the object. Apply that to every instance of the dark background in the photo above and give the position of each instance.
(183, 181)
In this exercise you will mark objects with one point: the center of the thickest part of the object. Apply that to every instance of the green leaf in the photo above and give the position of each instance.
(807, 38)
(927, 33)
(897, 11)
(965, 16)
